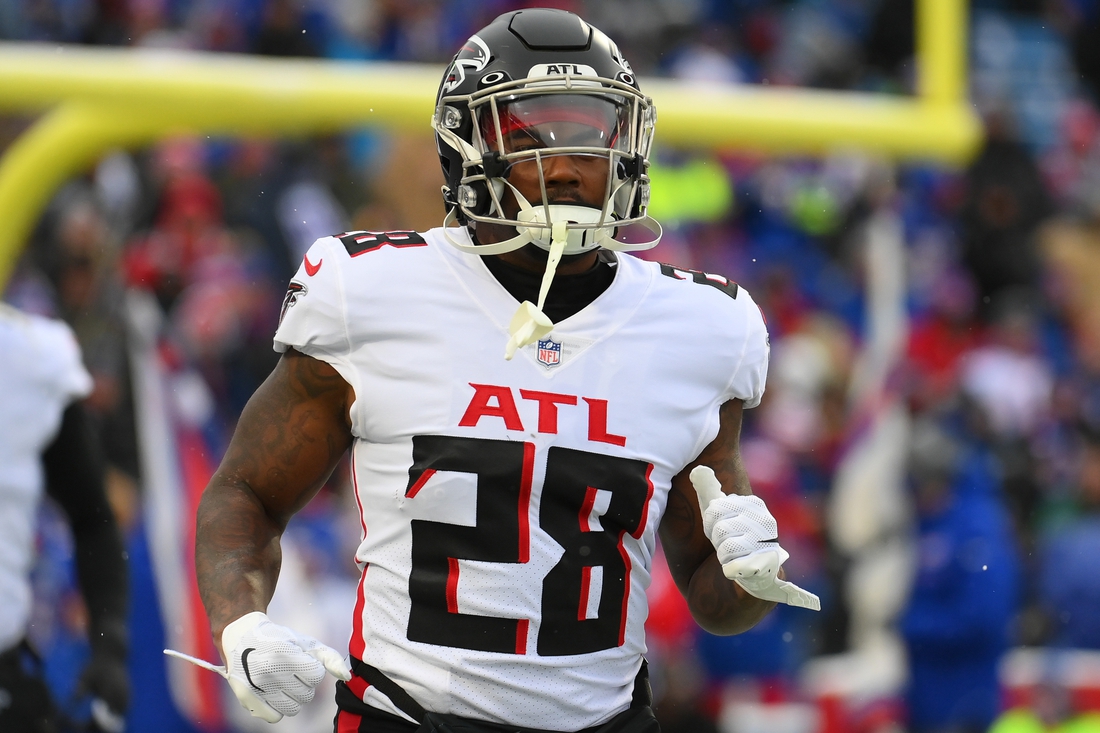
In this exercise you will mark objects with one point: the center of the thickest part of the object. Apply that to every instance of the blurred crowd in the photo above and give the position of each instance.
(930, 438)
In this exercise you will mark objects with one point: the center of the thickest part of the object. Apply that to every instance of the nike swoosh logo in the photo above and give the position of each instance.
(244, 662)
(311, 269)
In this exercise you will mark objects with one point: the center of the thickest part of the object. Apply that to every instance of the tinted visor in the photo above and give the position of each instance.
(557, 121)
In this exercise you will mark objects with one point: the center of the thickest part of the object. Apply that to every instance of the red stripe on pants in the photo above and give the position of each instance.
(348, 722)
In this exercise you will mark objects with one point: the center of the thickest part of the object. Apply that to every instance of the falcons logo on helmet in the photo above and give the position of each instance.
(476, 61)
(617, 56)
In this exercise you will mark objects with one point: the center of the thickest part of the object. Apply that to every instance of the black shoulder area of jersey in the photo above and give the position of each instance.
(362, 242)
(719, 282)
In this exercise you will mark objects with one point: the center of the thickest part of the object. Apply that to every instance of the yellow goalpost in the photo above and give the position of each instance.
(92, 100)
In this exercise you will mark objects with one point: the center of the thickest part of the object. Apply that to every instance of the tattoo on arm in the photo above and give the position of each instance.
(719, 605)
(290, 436)
(237, 555)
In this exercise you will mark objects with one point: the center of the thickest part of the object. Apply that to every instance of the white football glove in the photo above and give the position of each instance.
(273, 671)
(746, 538)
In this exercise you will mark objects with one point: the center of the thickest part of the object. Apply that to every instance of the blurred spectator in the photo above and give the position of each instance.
(80, 262)
(1005, 203)
(816, 48)
(1008, 376)
(307, 208)
(708, 58)
(1011, 386)
(965, 594)
(939, 340)
(216, 284)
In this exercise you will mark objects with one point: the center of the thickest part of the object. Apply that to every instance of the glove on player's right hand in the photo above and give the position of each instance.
(273, 671)
(745, 536)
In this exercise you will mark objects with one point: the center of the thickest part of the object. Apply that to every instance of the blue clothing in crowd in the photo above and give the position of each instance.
(964, 597)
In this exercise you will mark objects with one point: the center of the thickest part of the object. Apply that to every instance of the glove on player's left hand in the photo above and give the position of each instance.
(746, 538)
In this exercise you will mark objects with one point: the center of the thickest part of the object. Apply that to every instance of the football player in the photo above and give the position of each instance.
(45, 441)
(527, 408)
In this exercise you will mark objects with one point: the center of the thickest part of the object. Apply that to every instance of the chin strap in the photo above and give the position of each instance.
(530, 324)
(496, 248)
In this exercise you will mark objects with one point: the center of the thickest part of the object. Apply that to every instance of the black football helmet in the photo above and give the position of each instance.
(532, 84)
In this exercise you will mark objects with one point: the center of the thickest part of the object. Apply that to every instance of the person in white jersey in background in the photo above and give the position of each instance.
(46, 441)
(525, 404)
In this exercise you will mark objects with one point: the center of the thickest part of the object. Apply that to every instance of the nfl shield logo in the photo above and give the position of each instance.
(549, 352)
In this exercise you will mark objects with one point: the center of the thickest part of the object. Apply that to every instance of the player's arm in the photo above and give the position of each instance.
(74, 479)
(290, 436)
(718, 605)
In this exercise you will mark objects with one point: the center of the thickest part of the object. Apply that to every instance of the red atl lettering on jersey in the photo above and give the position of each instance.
(548, 407)
(597, 423)
(493, 401)
(479, 406)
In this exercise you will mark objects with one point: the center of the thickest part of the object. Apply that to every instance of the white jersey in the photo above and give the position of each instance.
(510, 508)
(40, 375)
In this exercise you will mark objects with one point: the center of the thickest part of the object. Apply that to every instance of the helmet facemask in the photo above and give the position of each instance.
(525, 122)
